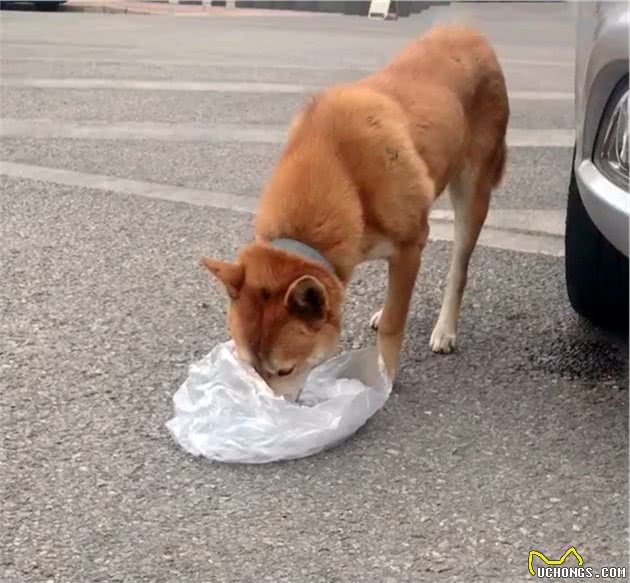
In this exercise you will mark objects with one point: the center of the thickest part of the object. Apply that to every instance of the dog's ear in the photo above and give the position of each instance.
(231, 275)
(307, 297)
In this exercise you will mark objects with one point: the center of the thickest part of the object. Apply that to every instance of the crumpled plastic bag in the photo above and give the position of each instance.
(225, 412)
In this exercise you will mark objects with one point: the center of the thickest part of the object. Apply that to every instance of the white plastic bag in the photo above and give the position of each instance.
(226, 412)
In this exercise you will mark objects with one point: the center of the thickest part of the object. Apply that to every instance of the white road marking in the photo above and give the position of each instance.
(222, 86)
(537, 62)
(197, 132)
(200, 63)
(517, 138)
(541, 96)
(503, 239)
(504, 229)
(185, 132)
(126, 186)
(209, 62)
(547, 221)
(151, 85)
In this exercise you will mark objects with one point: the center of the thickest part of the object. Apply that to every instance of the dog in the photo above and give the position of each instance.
(362, 166)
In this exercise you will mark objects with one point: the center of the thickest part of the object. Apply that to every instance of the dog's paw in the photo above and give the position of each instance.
(375, 320)
(442, 341)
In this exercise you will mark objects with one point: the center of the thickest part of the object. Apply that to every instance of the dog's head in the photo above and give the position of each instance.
(284, 313)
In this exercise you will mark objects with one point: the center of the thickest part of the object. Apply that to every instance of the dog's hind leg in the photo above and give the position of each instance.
(470, 197)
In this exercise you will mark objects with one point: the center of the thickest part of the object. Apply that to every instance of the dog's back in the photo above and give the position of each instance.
(450, 84)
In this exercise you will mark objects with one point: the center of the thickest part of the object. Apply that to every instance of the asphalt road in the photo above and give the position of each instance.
(517, 442)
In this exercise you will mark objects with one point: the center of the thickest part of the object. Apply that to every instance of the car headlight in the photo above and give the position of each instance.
(611, 147)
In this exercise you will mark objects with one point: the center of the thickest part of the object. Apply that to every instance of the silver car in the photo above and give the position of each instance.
(598, 209)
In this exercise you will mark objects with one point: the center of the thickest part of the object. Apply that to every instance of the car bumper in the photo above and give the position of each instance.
(606, 203)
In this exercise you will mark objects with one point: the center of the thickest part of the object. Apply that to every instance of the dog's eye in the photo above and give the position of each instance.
(265, 294)
(285, 371)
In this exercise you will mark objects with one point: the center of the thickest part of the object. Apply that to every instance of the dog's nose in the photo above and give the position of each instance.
(276, 371)
(285, 371)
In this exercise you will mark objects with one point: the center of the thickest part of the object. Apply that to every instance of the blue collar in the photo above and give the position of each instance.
(299, 248)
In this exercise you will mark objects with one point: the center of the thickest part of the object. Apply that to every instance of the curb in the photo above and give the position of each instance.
(164, 8)
(94, 6)
(102, 9)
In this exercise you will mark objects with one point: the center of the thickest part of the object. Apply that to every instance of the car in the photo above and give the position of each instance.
(41, 5)
(598, 207)
(48, 5)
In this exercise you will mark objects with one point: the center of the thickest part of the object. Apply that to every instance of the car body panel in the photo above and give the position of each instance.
(606, 203)
(601, 63)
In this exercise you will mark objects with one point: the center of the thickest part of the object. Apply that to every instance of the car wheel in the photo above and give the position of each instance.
(596, 272)
(47, 6)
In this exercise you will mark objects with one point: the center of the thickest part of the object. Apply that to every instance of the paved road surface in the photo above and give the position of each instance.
(517, 442)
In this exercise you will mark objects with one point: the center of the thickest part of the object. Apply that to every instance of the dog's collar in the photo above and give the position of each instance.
(299, 248)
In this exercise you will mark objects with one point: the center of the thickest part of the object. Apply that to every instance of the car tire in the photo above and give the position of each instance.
(47, 6)
(596, 272)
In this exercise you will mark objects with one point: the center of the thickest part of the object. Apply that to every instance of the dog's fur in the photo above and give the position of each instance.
(363, 164)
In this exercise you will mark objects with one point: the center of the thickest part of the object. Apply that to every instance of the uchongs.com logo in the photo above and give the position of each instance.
(546, 568)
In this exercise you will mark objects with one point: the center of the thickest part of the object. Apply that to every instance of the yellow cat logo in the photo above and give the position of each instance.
(560, 561)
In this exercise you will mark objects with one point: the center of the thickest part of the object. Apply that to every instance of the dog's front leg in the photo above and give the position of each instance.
(403, 269)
